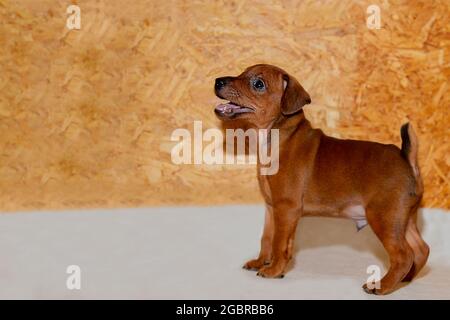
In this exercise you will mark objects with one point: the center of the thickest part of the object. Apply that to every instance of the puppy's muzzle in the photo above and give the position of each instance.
(231, 109)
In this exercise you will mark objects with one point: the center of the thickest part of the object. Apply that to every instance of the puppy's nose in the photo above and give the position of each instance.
(221, 82)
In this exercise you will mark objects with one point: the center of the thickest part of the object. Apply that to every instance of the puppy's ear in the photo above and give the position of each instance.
(294, 96)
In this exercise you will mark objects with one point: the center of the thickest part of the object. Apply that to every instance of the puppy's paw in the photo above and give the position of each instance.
(270, 272)
(368, 290)
(375, 291)
(255, 264)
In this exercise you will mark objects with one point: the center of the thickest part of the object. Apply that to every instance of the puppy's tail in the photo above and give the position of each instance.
(410, 147)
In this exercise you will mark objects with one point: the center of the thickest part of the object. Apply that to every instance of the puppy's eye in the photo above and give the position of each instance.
(259, 85)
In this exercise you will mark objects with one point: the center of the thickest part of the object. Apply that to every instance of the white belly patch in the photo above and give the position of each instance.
(357, 213)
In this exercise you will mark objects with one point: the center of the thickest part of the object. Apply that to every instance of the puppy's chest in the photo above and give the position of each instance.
(281, 186)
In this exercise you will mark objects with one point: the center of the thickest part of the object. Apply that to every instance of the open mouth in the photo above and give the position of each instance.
(231, 109)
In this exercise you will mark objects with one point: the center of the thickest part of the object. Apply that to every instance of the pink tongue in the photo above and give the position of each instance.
(226, 107)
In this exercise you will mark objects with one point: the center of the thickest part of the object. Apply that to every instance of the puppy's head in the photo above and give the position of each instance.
(260, 95)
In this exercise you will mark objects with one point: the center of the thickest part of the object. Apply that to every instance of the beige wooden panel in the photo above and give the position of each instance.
(86, 115)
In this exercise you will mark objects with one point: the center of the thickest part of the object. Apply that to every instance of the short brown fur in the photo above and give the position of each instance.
(324, 176)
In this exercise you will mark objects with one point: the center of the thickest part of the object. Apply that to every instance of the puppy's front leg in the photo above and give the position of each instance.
(285, 217)
(265, 254)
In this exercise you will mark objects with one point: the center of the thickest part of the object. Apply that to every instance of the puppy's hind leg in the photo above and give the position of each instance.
(390, 228)
(418, 245)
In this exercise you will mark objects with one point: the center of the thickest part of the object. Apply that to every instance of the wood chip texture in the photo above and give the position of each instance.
(86, 115)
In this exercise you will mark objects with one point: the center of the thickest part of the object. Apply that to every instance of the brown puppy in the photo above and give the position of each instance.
(322, 176)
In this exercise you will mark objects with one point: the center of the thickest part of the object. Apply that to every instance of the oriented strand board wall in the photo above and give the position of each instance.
(86, 116)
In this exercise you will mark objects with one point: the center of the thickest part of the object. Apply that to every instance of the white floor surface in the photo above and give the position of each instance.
(197, 253)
